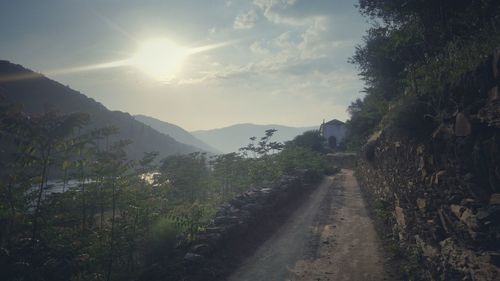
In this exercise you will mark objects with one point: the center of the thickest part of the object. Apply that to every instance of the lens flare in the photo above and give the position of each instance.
(160, 58)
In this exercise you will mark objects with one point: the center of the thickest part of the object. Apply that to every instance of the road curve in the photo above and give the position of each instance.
(329, 237)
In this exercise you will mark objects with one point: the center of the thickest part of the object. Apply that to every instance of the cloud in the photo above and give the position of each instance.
(259, 48)
(298, 12)
(246, 20)
(294, 52)
(289, 64)
(273, 10)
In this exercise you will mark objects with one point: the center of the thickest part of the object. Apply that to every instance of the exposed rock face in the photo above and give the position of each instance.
(452, 218)
(442, 195)
(491, 112)
(462, 125)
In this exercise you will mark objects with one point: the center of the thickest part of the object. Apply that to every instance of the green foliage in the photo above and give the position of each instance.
(263, 147)
(165, 234)
(383, 210)
(114, 216)
(311, 140)
(416, 48)
(297, 157)
(186, 174)
(410, 116)
(271, 160)
(231, 174)
(366, 115)
(190, 218)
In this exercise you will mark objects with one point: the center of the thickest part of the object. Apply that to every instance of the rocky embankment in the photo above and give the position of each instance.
(247, 211)
(439, 197)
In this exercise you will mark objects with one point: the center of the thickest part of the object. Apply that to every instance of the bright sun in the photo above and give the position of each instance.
(160, 58)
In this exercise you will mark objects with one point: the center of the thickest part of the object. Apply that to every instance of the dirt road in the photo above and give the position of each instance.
(329, 237)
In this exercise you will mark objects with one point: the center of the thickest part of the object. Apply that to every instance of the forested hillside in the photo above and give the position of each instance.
(413, 52)
(38, 94)
(176, 132)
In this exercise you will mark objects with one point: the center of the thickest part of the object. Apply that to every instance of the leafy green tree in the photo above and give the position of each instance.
(50, 132)
(415, 48)
(298, 157)
(312, 140)
(230, 174)
(15, 162)
(186, 174)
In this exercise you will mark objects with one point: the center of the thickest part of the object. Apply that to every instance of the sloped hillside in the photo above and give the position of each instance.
(176, 132)
(39, 94)
(230, 139)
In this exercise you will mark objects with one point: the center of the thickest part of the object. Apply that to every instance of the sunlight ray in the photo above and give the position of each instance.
(97, 66)
(206, 48)
(160, 58)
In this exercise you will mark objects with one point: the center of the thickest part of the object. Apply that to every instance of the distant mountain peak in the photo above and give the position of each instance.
(231, 138)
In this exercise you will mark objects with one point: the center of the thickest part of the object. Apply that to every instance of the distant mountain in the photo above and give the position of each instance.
(176, 132)
(230, 139)
(39, 94)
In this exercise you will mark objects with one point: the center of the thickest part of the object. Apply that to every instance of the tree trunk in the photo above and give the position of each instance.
(12, 214)
(39, 198)
(112, 242)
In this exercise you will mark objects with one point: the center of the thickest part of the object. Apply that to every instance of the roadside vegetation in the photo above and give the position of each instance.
(122, 215)
(412, 59)
(412, 52)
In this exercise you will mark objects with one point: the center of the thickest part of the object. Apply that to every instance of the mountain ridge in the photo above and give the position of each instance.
(231, 138)
(251, 124)
(178, 133)
(39, 94)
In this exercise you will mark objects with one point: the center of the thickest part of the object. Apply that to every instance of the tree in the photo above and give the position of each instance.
(415, 48)
(297, 157)
(50, 132)
(116, 165)
(312, 140)
(230, 174)
(186, 174)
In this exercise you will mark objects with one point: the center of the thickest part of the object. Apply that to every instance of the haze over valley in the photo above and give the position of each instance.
(40, 94)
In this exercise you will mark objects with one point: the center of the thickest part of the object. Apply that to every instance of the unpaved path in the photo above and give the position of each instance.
(329, 237)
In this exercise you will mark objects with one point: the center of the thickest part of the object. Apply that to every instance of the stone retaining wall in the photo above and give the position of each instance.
(440, 198)
(247, 211)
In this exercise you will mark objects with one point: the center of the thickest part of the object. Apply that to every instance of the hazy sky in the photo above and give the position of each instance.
(284, 61)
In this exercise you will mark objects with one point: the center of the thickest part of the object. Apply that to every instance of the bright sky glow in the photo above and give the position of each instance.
(160, 58)
(195, 63)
